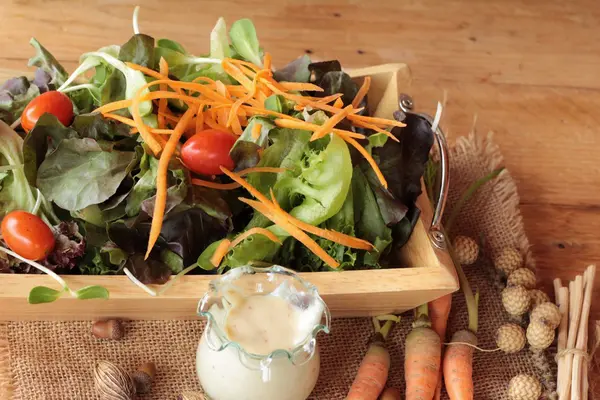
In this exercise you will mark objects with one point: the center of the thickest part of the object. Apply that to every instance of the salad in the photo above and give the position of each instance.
(153, 162)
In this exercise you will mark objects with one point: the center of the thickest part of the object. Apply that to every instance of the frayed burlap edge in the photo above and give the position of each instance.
(504, 186)
(6, 378)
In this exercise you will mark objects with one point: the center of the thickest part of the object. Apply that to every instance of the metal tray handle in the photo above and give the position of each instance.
(436, 232)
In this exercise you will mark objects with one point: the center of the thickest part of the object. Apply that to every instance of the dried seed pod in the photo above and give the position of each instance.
(540, 335)
(510, 338)
(143, 377)
(522, 276)
(547, 312)
(508, 260)
(466, 250)
(516, 300)
(190, 396)
(109, 329)
(524, 387)
(538, 297)
(113, 382)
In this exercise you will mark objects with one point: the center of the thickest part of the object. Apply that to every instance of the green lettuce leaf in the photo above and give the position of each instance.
(79, 173)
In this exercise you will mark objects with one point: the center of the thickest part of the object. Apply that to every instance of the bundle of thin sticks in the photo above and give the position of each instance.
(574, 302)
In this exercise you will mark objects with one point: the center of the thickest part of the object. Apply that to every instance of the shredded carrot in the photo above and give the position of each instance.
(254, 231)
(362, 92)
(237, 74)
(162, 103)
(246, 63)
(149, 139)
(115, 105)
(280, 220)
(251, 189)
(235, 185)
(256, 131)
(161, 178)
(267, 61)
(200, 119)
(299, 86)
(338, 103)
(369, 159)
(220, 252)
(337, 237)
(376, 121)
(328, 126)
(307, 126)
(376, 129)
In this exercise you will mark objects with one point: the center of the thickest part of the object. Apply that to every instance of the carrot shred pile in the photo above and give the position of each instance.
(295, 227)
(229, 108)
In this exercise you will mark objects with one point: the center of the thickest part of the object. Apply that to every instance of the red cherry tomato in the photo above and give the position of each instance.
(27, 235)
(55, 103)
(208, 150)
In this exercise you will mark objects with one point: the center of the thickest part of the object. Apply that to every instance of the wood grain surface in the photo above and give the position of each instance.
(529, 70)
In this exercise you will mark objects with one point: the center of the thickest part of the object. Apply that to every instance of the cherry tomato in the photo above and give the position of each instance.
(208, 150)
(55, 103)
(27, 235)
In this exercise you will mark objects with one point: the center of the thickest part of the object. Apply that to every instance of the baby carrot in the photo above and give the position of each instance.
(439, 310)
(423, 353)
(373, 371)
(391, 393)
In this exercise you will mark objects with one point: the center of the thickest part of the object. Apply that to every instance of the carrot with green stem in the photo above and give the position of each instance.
(374, 368)
(458, 358)
(423, 354)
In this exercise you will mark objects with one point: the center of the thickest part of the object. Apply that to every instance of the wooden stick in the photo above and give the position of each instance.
(562, 301)
(575, 303)
(580, 373)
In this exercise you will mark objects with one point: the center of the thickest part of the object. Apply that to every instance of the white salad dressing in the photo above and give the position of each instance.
(260, 324)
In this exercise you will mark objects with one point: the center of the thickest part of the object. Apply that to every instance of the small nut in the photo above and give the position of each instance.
(113, 382)
(538, 297)
(522, 276)
(510, 338)
(508, 260)
(109, 329)
(540, 335)
(143, 378)
(190, 396)
(524, 387)
(516, 300)
(466, 250)
(547, 312)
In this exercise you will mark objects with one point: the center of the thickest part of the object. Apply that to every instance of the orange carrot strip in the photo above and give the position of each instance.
(337, 237)
(307, 126)
(256, 131)
(338, 103)
(161, 179)
(151, 72)
(251, 189)
(267, 61)
(376, 121)
(376, 129)
(114, 106)
(220, 252)
(242, 62)
(237, 74)
(370, 159)
(235, 185)
(299, 86)
(254, 231)
(148, 138)
(200, 119)
(162, 103)
(362, 92)
(280, 220)
(328, 126)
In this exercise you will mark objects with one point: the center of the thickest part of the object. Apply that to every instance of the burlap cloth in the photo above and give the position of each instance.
(48, 360)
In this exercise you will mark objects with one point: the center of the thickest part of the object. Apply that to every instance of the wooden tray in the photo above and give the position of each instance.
(427, 273)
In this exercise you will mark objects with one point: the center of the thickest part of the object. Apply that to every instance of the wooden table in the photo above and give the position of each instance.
(529, 70)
